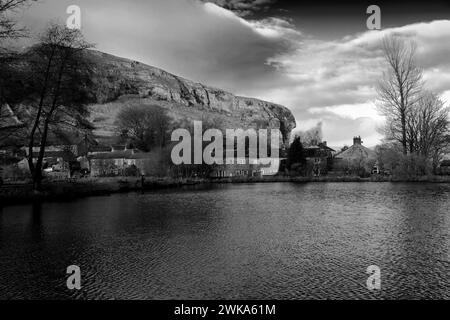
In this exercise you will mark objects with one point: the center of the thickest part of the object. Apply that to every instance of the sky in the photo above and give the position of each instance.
(315, 57)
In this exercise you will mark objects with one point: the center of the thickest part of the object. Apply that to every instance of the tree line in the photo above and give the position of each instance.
(417, 120)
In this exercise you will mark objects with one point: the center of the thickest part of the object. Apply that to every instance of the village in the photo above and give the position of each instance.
(86, 158)
(117, 120)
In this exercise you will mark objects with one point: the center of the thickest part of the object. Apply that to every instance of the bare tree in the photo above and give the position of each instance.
(428, 127)
(146, 126)
(8, 25)
(312, 136)
(399, 89)
(55, 89)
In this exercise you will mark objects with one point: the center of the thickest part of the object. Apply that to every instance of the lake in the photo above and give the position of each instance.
(233, 241)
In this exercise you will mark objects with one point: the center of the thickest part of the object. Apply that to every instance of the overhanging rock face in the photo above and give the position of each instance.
(115, 78)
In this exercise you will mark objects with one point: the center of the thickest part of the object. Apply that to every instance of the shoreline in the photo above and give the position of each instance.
(13, 194)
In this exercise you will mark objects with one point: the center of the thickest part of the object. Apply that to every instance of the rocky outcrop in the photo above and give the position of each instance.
(7, 118)
(117, 78)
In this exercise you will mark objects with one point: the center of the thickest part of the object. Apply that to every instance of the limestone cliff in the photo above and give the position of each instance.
(115, 80)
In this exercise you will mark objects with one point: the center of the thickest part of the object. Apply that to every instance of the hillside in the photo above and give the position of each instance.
(117, 81)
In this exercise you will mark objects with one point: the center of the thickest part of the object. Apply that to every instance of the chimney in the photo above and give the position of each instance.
(324, 143)
(357, 140)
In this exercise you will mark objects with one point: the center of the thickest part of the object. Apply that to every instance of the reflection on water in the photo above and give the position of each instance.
(249, 241)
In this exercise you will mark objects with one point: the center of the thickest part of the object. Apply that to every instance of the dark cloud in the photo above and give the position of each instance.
(197, 40)
(244, 8)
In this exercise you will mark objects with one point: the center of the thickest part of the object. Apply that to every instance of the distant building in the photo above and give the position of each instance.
(78, 146)
(356, 151)
(235, 170)
(118, 147)
(444, 167)
(355, 157)
(98, 149)
(319, 158)
(115, 163)
(246, 168)
(56, 164)
(57, 161)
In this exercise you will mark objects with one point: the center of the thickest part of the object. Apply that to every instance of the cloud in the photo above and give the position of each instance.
(351, 111)
(335, 81)
(276, 28)
(346, 71)
(215, 43)
(197, 40)
(243, 8)
(312, 136)
(339, 130)
(446, 97)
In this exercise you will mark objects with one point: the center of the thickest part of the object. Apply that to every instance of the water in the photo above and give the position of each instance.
(245, 241)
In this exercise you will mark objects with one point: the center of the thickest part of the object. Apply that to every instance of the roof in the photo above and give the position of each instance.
(99, 148)
(127, 154)
(318, 151)
(118, 146)
(112, 155)
(356, 151)
(319, 146)
(67, 156)
(143, 155)
(328, 148)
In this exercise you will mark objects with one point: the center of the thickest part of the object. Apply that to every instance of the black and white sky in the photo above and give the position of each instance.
(316, 57)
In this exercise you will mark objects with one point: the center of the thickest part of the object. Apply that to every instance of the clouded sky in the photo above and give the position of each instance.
(316, 58)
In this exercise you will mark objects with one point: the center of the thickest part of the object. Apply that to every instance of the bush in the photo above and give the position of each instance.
(131, 171)
(363, 173)
(412, 166)
(297, 169)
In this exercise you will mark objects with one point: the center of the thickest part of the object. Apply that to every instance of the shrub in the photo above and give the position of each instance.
(131, 171)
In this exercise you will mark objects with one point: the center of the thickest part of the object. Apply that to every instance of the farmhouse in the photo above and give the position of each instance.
(354, 158)
(319, 157)
(123, 162)
(244, 167)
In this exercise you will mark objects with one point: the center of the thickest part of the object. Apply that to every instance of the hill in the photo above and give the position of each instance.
(118, 81)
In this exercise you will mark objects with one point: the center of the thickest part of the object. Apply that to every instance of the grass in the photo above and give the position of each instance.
(59, 191)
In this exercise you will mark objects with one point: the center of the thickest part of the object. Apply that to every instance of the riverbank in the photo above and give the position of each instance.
(60, 191)
(68, 190)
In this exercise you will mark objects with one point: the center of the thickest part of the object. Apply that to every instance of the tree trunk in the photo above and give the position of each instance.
(37, 181)
(37, 175)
